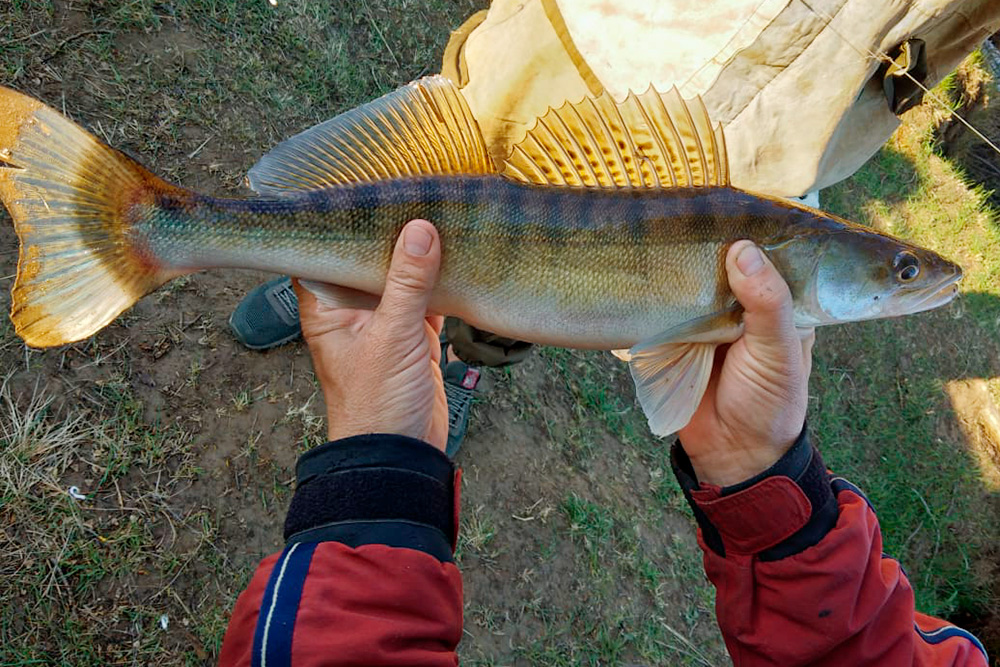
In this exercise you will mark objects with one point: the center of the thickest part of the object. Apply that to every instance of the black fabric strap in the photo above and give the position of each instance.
(803, 465)
(375, 489)
(390, 533)
(374, 449)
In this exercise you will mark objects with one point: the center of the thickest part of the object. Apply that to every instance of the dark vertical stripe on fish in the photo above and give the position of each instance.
(515, 213)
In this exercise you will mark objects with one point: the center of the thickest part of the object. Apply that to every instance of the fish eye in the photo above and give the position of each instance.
(906, 265)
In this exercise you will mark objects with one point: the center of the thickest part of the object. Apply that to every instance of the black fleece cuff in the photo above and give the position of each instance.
(375, 489)
(802, 464)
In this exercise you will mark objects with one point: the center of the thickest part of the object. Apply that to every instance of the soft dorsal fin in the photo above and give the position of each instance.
(424, 127)
(648, 140)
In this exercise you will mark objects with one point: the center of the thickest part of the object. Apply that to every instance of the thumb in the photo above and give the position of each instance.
(412, 274)
(768, 316)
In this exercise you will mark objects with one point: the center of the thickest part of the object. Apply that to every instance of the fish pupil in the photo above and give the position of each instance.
(907, 266)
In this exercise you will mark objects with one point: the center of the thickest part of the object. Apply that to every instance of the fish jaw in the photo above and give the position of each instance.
(936, 297)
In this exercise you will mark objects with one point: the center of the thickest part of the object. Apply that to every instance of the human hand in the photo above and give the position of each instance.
(755, 404)
(380, 369)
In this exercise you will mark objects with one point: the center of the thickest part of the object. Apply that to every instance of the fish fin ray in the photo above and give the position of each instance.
(68, 195)
(645, 141)
(625, 354)
(423, 128)
(335, 296)
(670, 380)
(723, 326)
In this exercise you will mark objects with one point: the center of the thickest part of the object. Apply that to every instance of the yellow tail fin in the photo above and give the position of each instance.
(69, 196)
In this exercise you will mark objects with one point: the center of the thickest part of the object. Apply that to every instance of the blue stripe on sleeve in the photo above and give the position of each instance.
(840, 484)
(949, 631)
(272, 639)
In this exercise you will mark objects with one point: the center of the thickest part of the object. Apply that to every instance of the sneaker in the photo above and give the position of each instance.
(460, 380)
(268, 316)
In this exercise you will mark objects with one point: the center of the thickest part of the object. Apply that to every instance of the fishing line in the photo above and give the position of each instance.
(883, 57)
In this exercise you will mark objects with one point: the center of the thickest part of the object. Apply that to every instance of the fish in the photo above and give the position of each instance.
(606, 227)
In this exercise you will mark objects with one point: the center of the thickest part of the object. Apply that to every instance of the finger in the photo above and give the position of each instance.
(767, 303)
(412, 274)
(807, 336)
(435, 343)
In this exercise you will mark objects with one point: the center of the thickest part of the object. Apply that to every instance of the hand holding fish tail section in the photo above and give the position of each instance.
(607, 228)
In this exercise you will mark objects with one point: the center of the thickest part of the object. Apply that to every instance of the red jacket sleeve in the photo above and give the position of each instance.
(367, 576)
(796, 559)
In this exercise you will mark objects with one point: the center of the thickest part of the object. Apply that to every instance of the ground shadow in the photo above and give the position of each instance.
(894, 408)
(977, 104)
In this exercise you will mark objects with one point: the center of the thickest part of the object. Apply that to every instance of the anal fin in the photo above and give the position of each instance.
(623, 354)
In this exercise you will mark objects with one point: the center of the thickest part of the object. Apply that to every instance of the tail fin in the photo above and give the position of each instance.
(69, 196)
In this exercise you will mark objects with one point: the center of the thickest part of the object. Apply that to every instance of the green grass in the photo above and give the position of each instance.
(883, 417)
(65, 564)
(624, 612)
(603, 403)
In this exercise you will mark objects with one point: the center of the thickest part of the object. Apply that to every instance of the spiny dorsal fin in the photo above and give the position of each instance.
(425, 127)
(648, 140)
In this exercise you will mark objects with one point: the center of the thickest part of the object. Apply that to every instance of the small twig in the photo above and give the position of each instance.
(28, 37)
(173, 530)
(56, 570)
(692, 650)
(986, 164)
(198, 150)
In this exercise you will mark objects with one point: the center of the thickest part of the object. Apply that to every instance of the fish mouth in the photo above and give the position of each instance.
(937, 295)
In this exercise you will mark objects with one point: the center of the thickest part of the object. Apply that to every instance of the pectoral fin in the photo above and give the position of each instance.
(670, 380)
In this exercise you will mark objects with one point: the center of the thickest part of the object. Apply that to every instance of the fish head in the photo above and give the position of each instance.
(842, 272)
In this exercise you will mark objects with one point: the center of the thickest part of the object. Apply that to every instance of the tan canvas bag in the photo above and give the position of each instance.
(801, 86)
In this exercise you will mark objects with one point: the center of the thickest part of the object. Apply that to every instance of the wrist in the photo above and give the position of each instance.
(729, 465)
(376, 489)
(341, 428)
(779, 512)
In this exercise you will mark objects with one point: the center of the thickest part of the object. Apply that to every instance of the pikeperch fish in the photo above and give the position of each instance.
(606, 228)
